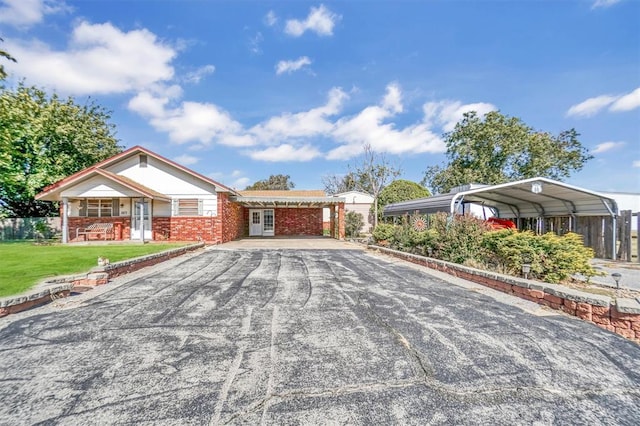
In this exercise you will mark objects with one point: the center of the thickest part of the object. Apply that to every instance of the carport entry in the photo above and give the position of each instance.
(261, 222)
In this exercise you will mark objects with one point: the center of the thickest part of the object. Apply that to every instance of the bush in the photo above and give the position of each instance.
(353, 222)
(553, 258)
(459, 238)
(383, 232)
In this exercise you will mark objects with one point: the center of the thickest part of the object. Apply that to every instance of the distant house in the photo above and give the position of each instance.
(141, 195)
(359, 202)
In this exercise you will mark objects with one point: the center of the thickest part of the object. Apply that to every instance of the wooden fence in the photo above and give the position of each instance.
(29, 228)
(598, 234)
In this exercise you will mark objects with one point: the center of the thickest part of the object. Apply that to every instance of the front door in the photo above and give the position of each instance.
(136, 223)
(261, 223)
(255, 223)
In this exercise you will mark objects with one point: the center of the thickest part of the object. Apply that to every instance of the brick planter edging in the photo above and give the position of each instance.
(621, 317)
(58, 287)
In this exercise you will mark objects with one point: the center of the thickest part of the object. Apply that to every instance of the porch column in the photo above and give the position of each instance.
(332, 221)
(341, 221)
(65, 220)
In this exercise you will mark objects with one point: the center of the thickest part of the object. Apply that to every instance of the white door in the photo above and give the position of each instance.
(255, 223)
(136, 223)
(267, 223)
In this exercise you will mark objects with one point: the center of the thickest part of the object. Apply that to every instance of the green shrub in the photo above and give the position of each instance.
(459, 238)
(553, 258)
(383, 232)
(353, 222)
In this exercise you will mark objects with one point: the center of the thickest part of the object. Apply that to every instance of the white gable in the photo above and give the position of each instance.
(355, 197)
(162, 177)
(98, 187)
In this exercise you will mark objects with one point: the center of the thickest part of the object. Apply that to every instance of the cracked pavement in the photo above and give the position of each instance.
(258, 336)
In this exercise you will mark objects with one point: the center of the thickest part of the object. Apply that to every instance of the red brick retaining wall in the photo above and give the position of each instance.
(621, 316)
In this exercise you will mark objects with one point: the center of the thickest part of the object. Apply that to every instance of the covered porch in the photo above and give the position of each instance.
(289, 213)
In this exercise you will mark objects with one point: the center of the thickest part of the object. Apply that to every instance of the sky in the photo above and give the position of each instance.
(239, 90)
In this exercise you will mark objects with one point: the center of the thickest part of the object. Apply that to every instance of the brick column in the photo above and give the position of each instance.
(332, 221)
(341, 221)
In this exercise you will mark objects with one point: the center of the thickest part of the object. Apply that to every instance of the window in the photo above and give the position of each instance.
(143, 161)
(99, 208)
(187, 207)
(256, 218)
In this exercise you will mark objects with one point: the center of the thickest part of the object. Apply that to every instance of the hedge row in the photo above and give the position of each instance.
(469, 241)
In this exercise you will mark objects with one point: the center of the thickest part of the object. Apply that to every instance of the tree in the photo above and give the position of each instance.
(4, 54)
(335, 184)
(497, 149)
(275, 182)
(372, 174)
(401, 190)
(44, 139)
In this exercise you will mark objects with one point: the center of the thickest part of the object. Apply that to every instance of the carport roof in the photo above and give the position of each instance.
(515, 199)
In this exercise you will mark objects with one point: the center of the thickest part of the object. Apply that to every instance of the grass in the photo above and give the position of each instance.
(24, 264)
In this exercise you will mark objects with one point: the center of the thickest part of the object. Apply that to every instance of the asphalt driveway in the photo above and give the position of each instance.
(251, 336)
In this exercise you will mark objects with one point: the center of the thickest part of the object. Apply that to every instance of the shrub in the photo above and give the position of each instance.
(353, 222)
(383, 232)
(459, 238)
(553, 258)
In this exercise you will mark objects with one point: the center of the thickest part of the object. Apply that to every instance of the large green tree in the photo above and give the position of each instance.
(274, 182)
(497, 148)
(44, 139)
(4, 54)
(335, 184)
(400, 190)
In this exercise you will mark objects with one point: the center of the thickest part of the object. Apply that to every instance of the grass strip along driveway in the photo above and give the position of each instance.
(24, 264)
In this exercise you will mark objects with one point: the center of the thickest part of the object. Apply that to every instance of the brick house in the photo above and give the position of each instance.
(140, 195)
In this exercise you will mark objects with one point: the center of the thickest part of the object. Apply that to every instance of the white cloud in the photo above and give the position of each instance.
(627, 102)
(320, 20)
(606, 146)
(25, 13)
(303, 124)
(636, 163)
(285, 152)
(291, 66)
(235, 180)
(199, 74)
(186, 160)
(270, 19)
(254, 43)
(101, 59)
(591, 106)
(447, 114)
(616, 103)
(369, 127)
(603, 3)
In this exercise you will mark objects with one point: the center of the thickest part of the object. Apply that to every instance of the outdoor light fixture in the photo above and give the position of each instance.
(536, 187)
(616, 277)
(526, 268)
(430, 251)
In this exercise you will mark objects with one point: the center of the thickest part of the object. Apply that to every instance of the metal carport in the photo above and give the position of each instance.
(528, 198)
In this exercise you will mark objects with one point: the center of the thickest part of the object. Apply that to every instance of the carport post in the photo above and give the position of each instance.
(65, 220)
(142, 221)
(614, 237)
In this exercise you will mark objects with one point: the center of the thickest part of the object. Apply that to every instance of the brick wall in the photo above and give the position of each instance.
(621, 316)
(298, 221)
(121, 227)
(234, 223)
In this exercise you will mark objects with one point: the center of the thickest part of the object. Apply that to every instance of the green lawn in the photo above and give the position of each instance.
(23, 264)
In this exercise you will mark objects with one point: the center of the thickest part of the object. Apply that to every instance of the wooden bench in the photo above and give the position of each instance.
(97, 229)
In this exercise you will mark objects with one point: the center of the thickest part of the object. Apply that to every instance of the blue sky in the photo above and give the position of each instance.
(239, 90)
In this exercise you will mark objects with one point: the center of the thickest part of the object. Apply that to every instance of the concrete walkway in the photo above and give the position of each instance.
(295, 336)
